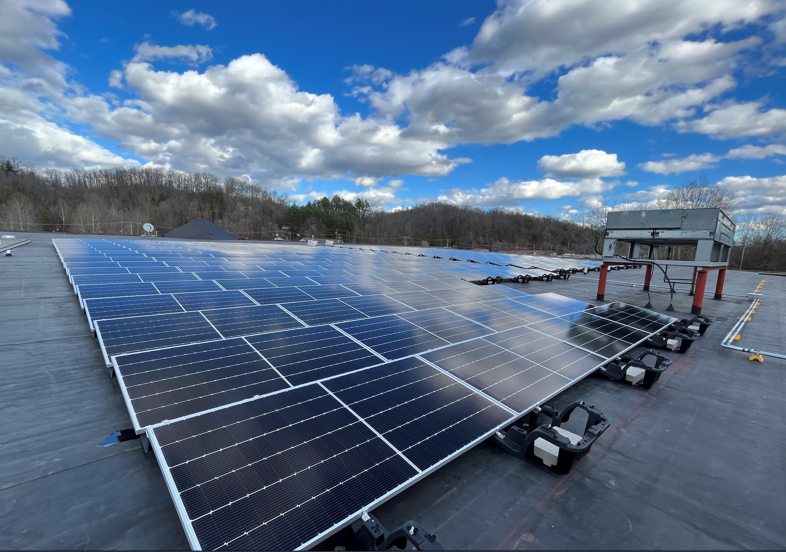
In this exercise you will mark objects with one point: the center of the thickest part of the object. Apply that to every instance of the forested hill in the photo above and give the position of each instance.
(119, 201)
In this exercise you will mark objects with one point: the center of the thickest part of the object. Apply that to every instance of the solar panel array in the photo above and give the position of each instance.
(285, 390)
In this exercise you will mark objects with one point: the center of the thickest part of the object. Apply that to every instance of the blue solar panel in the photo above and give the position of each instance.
(122, 307)
(240, 283)
(327, 311)
(277, 295)
(126, 335)
(250, 320)
(213, 300)
(186, 287)
(95, 291)
(392, 337)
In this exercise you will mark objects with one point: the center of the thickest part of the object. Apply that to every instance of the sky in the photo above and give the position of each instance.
(537, 106)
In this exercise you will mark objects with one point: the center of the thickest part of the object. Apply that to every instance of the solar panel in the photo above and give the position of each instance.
(311, 354)
(326, 311)
(421, 411)
(186, 287)
(290, 282)
(250, 320)
(167, 384)
(96, 291)
(278, 295)
(126, 335)
(213, 300)
(392, 337)
(123, 307)
(598, 335)
(329, 292)
(446, 325)
(633, 316)
(376, 305)
(168, 277)
(240, 283)
(420, 300)
(274, 474)
(106, 279)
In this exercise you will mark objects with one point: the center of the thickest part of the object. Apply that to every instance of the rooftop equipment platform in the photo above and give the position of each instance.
(640, 237)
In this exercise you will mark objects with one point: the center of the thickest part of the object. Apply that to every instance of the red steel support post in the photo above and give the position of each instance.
(719, 284)
(604, 272)
(648, 278)
(698, 297)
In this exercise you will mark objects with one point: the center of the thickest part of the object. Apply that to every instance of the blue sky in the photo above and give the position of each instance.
(548, 107)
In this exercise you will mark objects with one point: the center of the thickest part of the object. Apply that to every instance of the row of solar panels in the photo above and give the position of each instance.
(285, 436)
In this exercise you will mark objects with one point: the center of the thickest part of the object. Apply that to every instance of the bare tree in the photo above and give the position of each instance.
(700, 195)
(18, 213)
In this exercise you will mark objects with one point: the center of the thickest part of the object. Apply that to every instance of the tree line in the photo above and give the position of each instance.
(119, 201)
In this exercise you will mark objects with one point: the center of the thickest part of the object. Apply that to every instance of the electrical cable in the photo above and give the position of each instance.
(643, 261)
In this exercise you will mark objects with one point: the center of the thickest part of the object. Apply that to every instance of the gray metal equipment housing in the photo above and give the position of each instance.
(710, 230)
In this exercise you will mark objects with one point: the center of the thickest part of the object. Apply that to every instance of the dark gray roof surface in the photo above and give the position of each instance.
(200, 229)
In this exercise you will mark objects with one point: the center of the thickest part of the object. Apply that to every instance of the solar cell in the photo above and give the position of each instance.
(557, 308)
(273, 474)
(126, 335)
(421, 411)
(310, 354)
(250, 320)
(166, 384)
(151, 269)
(213, 300)
(326, 311)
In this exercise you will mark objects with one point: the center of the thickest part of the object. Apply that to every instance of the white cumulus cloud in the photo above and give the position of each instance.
(756, 152)
(584, 164)
(677, 165)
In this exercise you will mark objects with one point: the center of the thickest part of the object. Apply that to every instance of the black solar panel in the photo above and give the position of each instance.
(424, 413)
(166, 384)
(311, 354)
(273, 474)
(449, 326)
(603, 337)
(393, 337)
